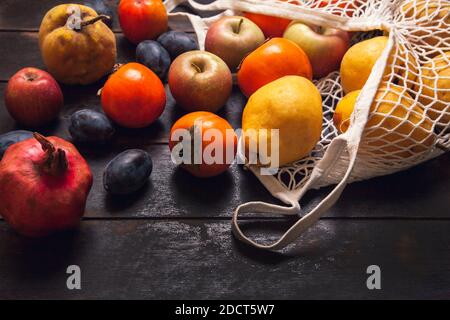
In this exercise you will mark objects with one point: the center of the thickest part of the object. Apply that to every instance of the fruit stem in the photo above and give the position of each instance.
(199, 70)
(239, 26)
(55, 161)
(320, 30)
(93, 20)
(116, 67)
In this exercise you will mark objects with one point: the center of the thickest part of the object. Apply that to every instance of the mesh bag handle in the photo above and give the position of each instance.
(306, 221)
(348, 142)
(184, 21)
(411, 117)
(283, 10)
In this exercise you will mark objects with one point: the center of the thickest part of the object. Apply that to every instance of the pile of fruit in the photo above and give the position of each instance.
(44, 181)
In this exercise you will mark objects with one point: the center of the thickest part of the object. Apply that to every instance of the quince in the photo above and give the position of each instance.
(76, 46)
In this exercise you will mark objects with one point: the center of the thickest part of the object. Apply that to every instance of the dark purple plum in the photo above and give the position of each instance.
(152, 55)
(89, 126)
(128, 172)
(176, 43)
(101, 8)
(12, 137)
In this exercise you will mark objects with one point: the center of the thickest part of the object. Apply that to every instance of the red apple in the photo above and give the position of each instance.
(200, 81)
(33, 98)
(325, 47)
(233, 38)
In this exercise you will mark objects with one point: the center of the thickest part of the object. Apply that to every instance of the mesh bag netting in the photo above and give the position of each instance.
(401, 117)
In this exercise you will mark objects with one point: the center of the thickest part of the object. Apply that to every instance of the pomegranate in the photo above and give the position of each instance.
(44, 183)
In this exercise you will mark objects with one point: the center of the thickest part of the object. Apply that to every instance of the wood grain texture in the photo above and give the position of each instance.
(77, 98)
(172, 239)
(172, 192)
(201, 260)
(421, 192)
(16, 13)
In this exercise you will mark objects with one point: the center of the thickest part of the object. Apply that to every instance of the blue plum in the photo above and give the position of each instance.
(176, 43)
(9, 138)
(152, 55)
(128, 172)
(90, 126)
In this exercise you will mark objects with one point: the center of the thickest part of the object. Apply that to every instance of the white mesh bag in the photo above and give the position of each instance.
(401, 117)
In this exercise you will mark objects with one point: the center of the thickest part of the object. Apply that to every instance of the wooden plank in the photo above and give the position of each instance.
(156, 244)
(174, 193)
(15, 14)
(407, 197)
(201, 260)
(171, 192)
(421, 192)
(78, 97)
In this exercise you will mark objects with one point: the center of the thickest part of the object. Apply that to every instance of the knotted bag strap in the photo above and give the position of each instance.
(306, 221)
(347, 142)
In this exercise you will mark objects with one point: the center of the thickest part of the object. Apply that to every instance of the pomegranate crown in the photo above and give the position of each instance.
(55, 160)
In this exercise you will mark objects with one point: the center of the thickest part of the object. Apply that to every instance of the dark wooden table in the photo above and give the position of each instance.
(173, 238)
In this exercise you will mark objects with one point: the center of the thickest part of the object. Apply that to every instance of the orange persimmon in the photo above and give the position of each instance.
(215, 134)
(275, 59)
(271, 26)
(133, 96)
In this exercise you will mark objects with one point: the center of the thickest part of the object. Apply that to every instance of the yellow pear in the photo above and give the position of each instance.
(291, 104)
(396, 127)
(360, 59)
(435, 92)
(429, 16)
(344, 110)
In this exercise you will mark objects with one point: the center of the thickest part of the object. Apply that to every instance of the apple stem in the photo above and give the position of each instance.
(239, 26)
(199, 70)
(31, 76)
